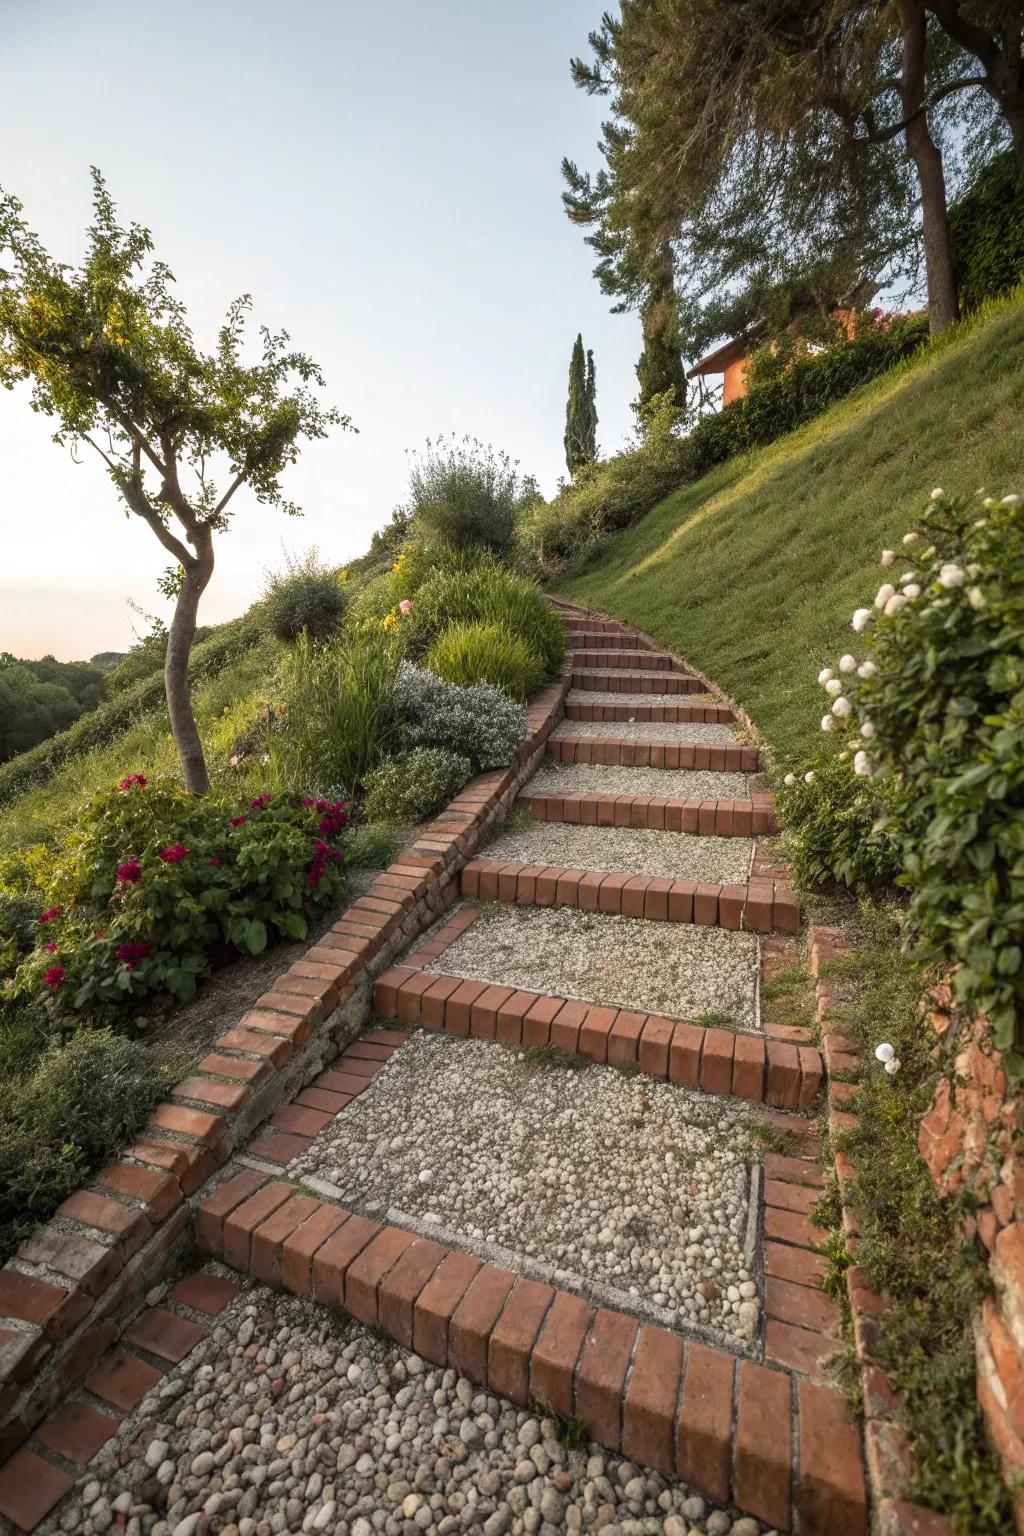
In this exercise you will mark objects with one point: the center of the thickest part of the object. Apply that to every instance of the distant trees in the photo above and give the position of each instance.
(38, 698)
(110, 356)
(581, 409)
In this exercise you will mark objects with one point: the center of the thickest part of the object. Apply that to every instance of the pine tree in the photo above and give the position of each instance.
(577, 411)
(661, 362)
(591, 408)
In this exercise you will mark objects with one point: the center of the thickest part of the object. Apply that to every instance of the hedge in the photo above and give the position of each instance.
(987, 226)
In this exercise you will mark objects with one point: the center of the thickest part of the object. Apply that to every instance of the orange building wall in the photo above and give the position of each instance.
(734, 381)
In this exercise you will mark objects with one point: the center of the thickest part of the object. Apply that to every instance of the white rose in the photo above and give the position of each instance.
(938, 493)
(893, 1066)
(862, 765)
(912, 589)
(809, 777)
(861, 619)
(911, 537)
(976, 597)
(895, 604)
(866, 669)
(885, 591)
(888, 556)
(827, 722)
(789, 779)
(841, 708)
(982, 522)
(867, 729)
(1013, 501)
(951, 576)
(825, 675)
(847, 663)
(884, 1052)
(834, 687)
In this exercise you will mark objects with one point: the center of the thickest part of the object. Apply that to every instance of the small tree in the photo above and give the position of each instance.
(111, 357)
(581, 410)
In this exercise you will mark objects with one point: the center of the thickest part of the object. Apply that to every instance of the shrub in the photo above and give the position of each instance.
(486, 653)
(371, 845)
(411, 787)
(936, 714)
(480, 723)
(71, 1112)
(464, 494)
(833, 824)
(492, 595)
(157, 885)
(987, 229)
(341, 715)
(305, 598)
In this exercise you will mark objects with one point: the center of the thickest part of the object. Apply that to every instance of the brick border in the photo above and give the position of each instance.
(635, 682)
(635, 659)
(679, 1405)
(662, 813)
(709, 714)
(78, 1282)
(727, 757)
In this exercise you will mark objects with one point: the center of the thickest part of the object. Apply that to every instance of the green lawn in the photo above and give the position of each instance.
(753, 572)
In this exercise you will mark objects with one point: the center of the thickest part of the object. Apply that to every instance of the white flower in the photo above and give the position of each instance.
(895, 603)
(885, 591)
(912, 589)
(982, 522)
(809, 777)
(938, 493)
(232, 762)
(911, 537)
(867, 729)
(847, 663)
(1013, 501)
(834, 687)
(841, 708)
(908, 577)
(789, 779)
(976, 597)
(893, 1066)
(825, 675)
(884, 1052)
(862, 765)
(861, 619)
(866, 669)
(827, 722)
(991, 503)
(951, 576)
(888, 556)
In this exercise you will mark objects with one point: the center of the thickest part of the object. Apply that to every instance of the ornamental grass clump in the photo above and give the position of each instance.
(486, 653)
(931, 717)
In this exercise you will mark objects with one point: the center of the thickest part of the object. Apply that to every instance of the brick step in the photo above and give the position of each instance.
(708, 714)
(779, 1447)
(713, 1060)
(595, 640)
(633, 660)
(760, 906)
(724, 757)
(595, 681)
(708, 818)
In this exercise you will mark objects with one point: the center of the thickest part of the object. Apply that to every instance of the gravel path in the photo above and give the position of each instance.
(689, 731)
(286, 1420)
(677, 969)
(635, 851)
(675, 783)
(633, 1191)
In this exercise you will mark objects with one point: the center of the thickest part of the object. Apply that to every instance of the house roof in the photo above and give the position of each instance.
(719, 360)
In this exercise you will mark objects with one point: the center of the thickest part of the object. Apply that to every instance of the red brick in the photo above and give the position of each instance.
(122, 1380)
(553, 1362)
(798, 1349)
(654, 1046)
(385, 990)
(757, 913)
(509, 1027)
(513, 1337)
(602, 1371)
(748, 1068)
(649, 1415)
(705, 905)
(229, 1194)
(277, 1052)
(433, 1001)
(830, 1494)
(567, 889)
(457, 1012)
(76, 1431)
(323, 1099)
(791, 1227)
(538, 1021)
(205, 1293)
(588, 892)
(716, 1062)
(791, 1197)
(401, 1286)
(211, 1090)
(703, 1434)
(331, 1261)
(762, 1450)
(435, 1304)
(595, 1032)
(196, 1124)
(483, 1014)
(793, 1170)
(684, 1054)
(811, 1074)
(730, 906)
(30, 1487)
(300, 1120)
(90, 1265)
(801, 1305)
(566, 1026)
(130, 1227)
(366, 1272)
(474, 1318)
(633, 893)
(795, 1264)
(53, 1308)
(656, 900)
(279, 1147)
(239, 1225)
(346, 1083)
(269, 1237)
(302, 1243)
(783, 1088)
(163, 1333)
(159, 1191)
(624, 1040)
(609, 897)
(680, 901)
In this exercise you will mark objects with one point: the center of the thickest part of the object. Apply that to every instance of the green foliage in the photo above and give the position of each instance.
(833, 821)
(486, 653)
(580, 438)
(304, 599)
(73, 1108)
(413, 786)
(941, 714)
(31, 710)
(155, 885)
(987, 229)
(464, 494)
(492, 595)
(342, 718)
(371, 845)
(480, 723)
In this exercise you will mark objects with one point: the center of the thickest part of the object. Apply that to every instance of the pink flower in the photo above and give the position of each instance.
(308, 801)
(129, 873)
(405, 606)
(132, 952)
(133, 781)
(98, 933)
(215, 862)
(54, 976)
(260, 802)
(49, 915)
(238, 821)
(52, 948)
(174, 854)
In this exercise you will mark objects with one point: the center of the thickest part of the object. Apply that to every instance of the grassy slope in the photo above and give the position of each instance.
(753, 572)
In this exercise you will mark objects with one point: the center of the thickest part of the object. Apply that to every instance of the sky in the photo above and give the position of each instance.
(384, 179)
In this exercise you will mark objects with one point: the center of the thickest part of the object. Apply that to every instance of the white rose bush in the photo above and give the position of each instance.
(925, 757)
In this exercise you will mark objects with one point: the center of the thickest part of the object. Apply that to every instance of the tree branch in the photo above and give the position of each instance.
(239, 479)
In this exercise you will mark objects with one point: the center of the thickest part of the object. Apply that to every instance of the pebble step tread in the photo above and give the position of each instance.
(727, 757)
(778, 1444)
(707, 818)
(749, 1066)
(597, 680)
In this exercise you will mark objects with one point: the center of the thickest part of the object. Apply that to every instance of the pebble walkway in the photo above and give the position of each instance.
(543, 1278)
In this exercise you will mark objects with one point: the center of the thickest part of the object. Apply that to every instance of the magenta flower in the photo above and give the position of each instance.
(215, 862)
(238, 821)
(54, 976)
(260, 802)
(49, 915)
(174, 854)
(129, 873)
(133, 781)
(52, 947)
(134, 951)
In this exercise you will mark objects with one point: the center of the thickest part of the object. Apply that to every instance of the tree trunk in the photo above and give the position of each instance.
(927, 158)
(179, 647)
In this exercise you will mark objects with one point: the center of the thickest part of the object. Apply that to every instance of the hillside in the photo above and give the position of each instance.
(752, 573)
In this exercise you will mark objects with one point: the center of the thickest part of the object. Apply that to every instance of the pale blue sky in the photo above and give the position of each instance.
(384, 178)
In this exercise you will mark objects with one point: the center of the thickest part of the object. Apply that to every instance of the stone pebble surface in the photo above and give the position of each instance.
(588, 696)
(678, 969)
(626, 850)
(666, 783)
(286, 1421)
(588, 1179)
(680, 732)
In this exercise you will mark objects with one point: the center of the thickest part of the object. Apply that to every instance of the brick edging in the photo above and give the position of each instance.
(661, 813)
(76, 1284)
(726, 757)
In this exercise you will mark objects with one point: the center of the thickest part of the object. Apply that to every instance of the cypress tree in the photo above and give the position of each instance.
(577, 411)
(591, 408)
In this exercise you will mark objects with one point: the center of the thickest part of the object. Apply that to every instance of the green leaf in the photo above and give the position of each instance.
(256, 937)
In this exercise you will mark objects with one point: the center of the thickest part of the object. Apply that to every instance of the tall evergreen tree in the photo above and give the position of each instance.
(591, 408)
(579, 430)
